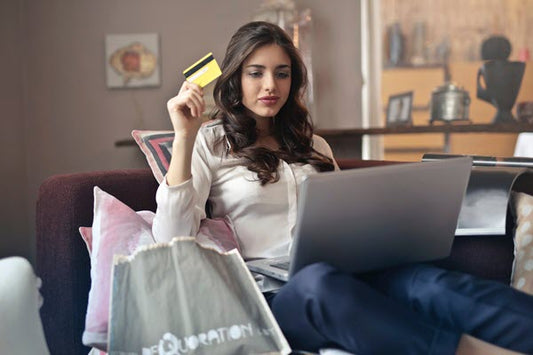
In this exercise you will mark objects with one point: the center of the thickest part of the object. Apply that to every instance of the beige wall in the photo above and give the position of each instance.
(59, 117)
(14, 228)
(336, 62)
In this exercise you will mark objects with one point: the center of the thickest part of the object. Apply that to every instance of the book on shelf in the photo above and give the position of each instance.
(486, 205)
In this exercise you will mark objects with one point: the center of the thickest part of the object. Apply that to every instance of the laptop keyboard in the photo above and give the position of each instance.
(283, 265)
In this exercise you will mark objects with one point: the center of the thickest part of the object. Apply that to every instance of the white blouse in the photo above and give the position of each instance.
(263, 217)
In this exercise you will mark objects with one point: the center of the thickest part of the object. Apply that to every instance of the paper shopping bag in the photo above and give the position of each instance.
(182, 298)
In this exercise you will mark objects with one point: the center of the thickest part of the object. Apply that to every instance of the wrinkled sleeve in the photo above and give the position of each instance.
(321, 146)
(180, 208)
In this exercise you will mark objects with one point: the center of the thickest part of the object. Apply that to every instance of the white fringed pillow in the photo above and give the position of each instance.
(522, 275)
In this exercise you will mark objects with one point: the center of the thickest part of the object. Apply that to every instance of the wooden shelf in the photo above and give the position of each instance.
(350, 139)
(435, 128)
(355, 135)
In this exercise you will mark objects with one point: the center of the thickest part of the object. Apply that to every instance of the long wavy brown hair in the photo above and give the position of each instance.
(292, 127)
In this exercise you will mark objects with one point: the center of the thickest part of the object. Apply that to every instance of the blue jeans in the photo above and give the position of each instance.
(417, 309)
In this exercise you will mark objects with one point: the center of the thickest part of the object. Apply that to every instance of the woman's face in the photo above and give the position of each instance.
(266, 81)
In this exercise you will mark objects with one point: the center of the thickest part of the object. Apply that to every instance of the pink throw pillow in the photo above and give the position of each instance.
(116, 229)
(87, 236)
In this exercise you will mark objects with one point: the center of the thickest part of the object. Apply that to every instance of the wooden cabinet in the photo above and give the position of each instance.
(411, 147)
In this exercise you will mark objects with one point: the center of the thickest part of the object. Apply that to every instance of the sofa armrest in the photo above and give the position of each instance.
(64, 203)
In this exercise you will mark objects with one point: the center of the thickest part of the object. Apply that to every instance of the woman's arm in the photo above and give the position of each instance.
(180, 198)
(180, 208)
(185, 111)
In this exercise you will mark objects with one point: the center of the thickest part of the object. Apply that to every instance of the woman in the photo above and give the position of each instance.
(247, 164)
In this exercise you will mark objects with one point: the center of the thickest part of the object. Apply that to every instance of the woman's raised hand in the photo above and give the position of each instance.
(186, 109)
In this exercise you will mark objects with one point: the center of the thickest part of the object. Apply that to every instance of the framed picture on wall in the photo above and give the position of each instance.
(399, 109)
(132, 60)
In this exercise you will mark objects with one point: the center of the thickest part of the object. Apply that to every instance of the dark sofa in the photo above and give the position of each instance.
(65, 203)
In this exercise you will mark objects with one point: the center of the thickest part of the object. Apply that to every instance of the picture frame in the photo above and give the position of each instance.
(399, 109)
(132, 60)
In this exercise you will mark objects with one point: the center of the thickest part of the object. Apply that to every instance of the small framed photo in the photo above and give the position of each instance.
(132, 60)
(399, 109)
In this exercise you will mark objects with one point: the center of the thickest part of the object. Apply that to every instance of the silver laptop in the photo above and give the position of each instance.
(367, 219)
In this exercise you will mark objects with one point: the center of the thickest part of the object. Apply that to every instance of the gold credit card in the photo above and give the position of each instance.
(203, 71)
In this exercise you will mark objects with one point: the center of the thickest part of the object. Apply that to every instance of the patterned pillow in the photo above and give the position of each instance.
(522, 276)
(157, 147)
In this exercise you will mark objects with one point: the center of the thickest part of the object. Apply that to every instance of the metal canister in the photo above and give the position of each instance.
(449, 103)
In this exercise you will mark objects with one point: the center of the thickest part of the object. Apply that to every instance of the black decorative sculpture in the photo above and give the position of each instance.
(501, 78)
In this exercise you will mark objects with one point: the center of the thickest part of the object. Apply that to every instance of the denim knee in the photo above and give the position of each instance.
(311, 279)
(295, 304)
(308, 283)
